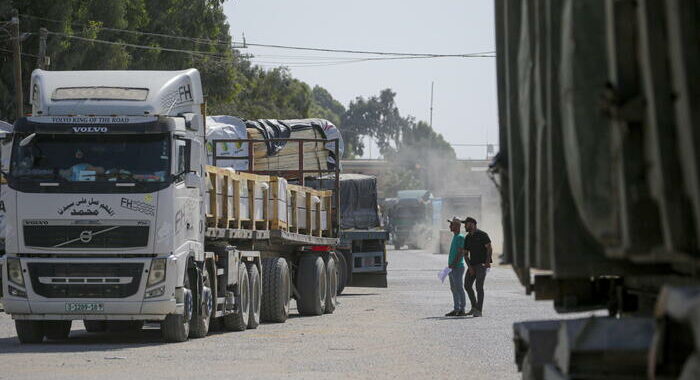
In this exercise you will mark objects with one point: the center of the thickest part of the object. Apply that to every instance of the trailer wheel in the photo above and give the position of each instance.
(57, 330)
(238, 321)
(342, 273)
(331, 285)
(29, 331)
(199, 325)
(255, 294)
(176, 327)
(311, 283)
(277, 290)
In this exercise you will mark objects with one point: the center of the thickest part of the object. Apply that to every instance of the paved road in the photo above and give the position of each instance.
(374, 333)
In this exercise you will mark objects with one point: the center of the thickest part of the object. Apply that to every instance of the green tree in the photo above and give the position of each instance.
(268, 94)
(203, 20)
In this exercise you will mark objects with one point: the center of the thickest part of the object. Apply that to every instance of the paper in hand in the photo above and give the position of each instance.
(443, 273)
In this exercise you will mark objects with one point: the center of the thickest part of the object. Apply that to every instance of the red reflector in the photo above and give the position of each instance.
(320, 248)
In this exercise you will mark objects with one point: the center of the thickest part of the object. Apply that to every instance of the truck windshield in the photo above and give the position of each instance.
(91, 158)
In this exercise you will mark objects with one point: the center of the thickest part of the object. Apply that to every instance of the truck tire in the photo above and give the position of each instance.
(95, 326)
(311, 284)
(176, 327)
(277, 290)
(29, 331)
(238, 321)
(57, 330)
(199, 325)
(255, 294)
(331, 284)
(342, 273)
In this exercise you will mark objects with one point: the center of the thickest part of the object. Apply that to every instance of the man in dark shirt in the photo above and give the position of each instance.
(477, 245)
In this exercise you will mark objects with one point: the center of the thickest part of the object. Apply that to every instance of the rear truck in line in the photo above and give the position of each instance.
(410, 219)
(362, 246)
(600, 182)
(115, 218)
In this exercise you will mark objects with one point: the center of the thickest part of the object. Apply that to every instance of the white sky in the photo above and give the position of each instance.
(465, 109)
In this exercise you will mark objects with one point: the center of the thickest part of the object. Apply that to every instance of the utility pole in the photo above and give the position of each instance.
(42, 61)
(432, 85)
(19, 97)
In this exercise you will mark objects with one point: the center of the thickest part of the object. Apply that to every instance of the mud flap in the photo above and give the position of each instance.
(369, 280)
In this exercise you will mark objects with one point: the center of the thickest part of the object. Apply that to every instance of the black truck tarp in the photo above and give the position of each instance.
(358, 200)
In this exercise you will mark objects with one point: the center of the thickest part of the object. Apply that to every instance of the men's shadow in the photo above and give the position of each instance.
(443, 318)
(82, 341)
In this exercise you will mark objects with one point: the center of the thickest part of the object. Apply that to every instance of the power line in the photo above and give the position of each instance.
(432, 55)
(25, 54)
(488, 54)
(136, 46)
(223, 59)
(136, 32)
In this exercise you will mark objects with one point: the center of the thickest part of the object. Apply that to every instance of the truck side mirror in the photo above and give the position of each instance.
(192, 180)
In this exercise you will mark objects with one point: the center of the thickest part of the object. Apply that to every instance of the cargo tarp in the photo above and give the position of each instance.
(358, 200)
(227, 128)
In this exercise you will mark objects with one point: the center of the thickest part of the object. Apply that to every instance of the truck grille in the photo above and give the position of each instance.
(94, 280)
(86, 236)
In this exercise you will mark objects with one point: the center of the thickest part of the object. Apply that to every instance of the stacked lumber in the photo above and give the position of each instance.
(270, 155)
(285, 156)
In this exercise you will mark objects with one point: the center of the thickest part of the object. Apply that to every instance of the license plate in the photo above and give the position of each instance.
(84, 307)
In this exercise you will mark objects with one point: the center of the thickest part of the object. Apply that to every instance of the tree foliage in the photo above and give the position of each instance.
(418, 156)
(203, 19)
(232, 84)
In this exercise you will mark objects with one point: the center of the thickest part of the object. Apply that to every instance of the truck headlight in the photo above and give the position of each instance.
(16, 292)
(156, 292)
(14, 271)
(157, 273)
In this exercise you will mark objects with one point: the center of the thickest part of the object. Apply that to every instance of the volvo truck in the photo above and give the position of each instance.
(115, 218)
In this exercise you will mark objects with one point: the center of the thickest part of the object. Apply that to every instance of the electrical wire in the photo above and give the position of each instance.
(136, 46)
(432, 55)
(25, 54)
(487, 54)
(136, 32)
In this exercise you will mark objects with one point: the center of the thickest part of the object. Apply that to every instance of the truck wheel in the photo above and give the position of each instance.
(57, 330)
(199, 325)
(29, 331)
(239, 320)
(342, 273)
(331, 285)
(255, 293)
(311, 283)
(95, 326)
(277, 290)
(176, 327)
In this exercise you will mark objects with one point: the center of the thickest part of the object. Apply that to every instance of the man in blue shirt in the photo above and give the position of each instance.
(455, 261)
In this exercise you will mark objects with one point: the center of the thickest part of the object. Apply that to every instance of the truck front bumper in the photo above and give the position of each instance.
(113, 310)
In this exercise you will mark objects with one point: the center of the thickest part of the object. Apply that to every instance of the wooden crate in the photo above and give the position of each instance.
(279, 200)
(258, 202)
(258, 197)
